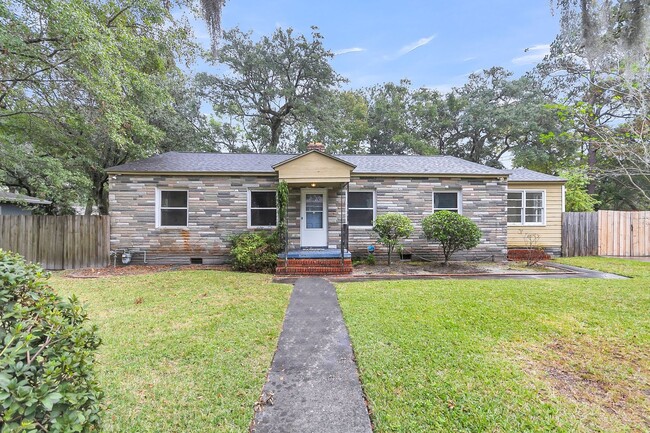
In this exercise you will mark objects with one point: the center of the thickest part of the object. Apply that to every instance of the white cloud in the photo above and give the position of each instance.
(466, 75)
(536, 54)
(348, 50)
(412, 46)
(469, 59)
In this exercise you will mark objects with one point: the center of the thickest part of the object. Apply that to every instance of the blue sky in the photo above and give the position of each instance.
(432, 43)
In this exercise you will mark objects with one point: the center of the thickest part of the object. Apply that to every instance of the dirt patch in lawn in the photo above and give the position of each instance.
(453, 268)
(117, 271)
(607, 382)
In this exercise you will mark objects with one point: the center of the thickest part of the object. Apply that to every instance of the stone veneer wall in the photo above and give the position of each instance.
(483, 201)
(218, 209)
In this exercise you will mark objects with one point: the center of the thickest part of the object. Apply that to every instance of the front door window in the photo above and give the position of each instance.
(314, 211)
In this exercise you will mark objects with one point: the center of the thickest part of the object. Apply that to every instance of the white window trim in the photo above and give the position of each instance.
(159, 207)
(459, 199)
(374, 208)
(523, 208)
(248, 209)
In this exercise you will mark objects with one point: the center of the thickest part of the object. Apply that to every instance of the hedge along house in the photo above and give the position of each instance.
(184, 207)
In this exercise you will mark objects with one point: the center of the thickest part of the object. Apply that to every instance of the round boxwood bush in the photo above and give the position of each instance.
(453, 231)
(47, 353)
(391, 228)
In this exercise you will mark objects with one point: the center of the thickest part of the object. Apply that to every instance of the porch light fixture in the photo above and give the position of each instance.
(313, 185)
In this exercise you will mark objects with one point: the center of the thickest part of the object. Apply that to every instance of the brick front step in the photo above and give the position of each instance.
(314, 267)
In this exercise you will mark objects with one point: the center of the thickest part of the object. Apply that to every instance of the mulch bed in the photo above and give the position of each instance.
(118, 271)
(453, 268)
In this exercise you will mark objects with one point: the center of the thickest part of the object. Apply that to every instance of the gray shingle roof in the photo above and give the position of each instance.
(179, 162)
(11, 197)
(525, 175)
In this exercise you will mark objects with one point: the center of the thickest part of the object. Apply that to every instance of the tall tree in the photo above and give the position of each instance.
(499, 116)
(436, 119)
(599, 69)
(391, 129)
(341, 123)
(81, 83)
(268, 86)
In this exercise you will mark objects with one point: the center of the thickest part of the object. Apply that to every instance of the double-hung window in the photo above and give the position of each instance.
(447, 200)
(172, 208)
(361, 208)
(526, 207)
(262, 209)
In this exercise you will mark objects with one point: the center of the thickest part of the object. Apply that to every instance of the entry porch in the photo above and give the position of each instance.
(317, 231)
(314, 261)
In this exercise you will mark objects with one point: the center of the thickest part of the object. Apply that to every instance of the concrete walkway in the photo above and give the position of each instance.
(313, 384)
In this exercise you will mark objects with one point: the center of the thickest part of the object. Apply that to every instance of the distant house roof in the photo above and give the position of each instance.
(525, 175)
(11, 197)
(263, 163)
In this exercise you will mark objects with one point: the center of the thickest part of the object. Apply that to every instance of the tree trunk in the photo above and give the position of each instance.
(591, 126)
(276, 130)
(100, 192)
(89, 207)
(591, 163)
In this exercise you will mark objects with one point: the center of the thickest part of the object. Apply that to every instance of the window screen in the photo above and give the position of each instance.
(361, 208)
(173, 208)
(446, 201)
(263, 209)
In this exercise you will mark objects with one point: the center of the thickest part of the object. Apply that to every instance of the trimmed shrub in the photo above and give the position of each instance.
(391, 228)
(453, 231)
(47, 353)
(255, 251)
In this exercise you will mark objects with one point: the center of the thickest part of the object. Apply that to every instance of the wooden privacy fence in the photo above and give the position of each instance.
(606, 233)
(623, 233)
(579, 234)
(58, 242)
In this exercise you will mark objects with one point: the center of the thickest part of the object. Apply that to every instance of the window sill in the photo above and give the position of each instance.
(526, 224)
(263, 227)
(360, 227)
(173, 227)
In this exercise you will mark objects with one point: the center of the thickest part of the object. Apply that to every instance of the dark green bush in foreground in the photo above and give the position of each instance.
(47, 382)
(255, 252)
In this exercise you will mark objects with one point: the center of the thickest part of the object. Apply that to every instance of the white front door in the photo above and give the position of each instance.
(313, 218)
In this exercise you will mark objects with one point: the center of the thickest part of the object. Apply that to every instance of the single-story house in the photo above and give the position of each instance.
(184, 207)
(12, 203)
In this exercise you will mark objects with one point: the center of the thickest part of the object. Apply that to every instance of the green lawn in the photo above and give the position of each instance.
(505, 355)
(182, 351)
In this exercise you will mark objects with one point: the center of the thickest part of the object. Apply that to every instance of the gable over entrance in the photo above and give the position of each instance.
(314, 167)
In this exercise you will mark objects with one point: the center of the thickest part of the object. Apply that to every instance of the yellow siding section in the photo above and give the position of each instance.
(550, 235)
(314, 167)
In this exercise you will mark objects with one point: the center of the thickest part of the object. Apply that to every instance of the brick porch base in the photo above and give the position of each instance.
(309, 266)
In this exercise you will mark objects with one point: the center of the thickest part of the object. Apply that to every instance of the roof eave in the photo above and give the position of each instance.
(194, 173)
(559, 180)
(432, 174)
